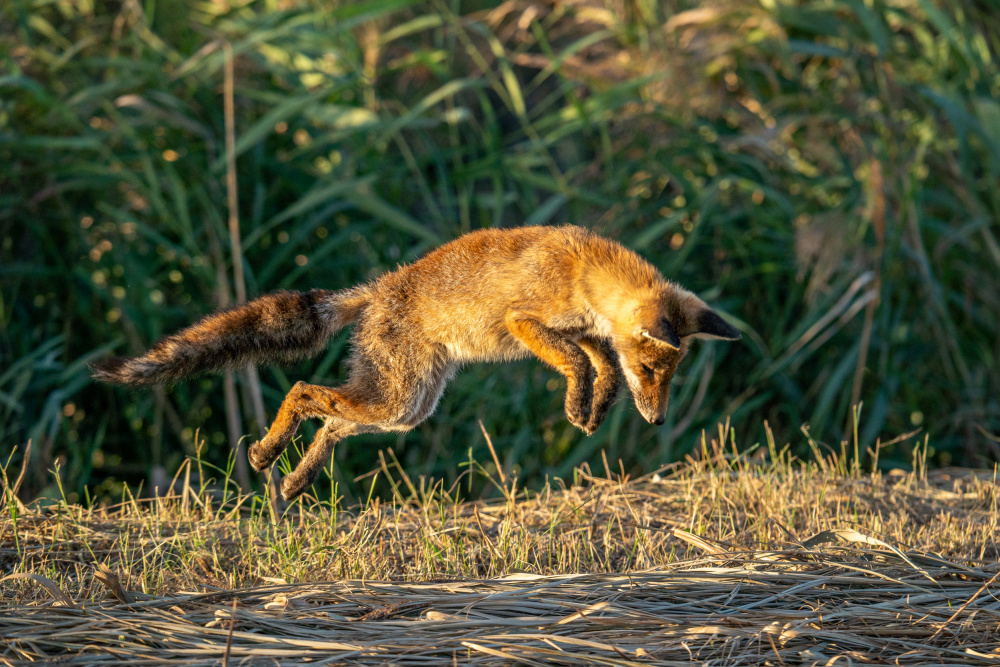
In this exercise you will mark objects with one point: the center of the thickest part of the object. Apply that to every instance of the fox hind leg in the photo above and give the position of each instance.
(307, 471)
(266, 451)
(308, 400)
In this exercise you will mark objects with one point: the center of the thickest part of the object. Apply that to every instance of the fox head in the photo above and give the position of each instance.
(652, 339)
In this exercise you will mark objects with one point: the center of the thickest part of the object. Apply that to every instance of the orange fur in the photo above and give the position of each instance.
(585, 305)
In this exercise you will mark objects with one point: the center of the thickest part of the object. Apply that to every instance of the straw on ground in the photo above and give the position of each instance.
(721, 560)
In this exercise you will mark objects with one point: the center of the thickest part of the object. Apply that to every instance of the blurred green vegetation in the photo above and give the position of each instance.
(826, 172)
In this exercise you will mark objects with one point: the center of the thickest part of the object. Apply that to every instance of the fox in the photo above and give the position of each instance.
(583, 304)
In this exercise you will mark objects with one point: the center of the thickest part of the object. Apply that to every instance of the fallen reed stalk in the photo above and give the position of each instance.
(796, 606)
(720, 560)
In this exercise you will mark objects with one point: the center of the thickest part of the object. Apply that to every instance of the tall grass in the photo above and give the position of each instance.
(824, 172)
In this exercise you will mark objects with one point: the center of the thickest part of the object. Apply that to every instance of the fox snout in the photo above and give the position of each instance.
(650, 398)
(650, 388)
(652, 415)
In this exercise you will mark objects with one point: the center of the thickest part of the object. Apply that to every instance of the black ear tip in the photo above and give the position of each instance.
(711, 324)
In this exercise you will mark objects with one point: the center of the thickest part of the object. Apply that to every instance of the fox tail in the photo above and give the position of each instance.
(280, 327)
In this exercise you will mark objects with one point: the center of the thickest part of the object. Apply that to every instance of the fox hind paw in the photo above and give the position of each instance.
(261, 456)
(295, 483)
(267, 450)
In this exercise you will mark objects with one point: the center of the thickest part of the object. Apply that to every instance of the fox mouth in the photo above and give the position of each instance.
(656, 420)
(652, 417)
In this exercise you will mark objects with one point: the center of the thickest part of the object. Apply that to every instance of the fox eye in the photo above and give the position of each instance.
(648, 371)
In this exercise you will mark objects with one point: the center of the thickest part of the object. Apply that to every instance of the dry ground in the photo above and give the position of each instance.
(719, 560)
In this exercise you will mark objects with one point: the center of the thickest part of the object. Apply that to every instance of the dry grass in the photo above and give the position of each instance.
(722, 559)
(800, 605)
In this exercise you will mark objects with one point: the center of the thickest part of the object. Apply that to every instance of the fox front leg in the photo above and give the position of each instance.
(607, 382)
(562, 354)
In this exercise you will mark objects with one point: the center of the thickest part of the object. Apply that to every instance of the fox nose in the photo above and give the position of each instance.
(658, 421)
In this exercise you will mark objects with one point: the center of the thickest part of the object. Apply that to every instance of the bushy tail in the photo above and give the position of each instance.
(279, 327)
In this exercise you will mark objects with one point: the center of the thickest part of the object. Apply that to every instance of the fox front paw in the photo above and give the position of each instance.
(579, 421)
(605, 392)
(578, 401)
(597, 414)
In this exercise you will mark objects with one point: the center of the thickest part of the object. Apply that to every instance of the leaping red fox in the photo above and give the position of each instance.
(583, 304)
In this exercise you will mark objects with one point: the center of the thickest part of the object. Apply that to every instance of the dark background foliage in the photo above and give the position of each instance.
(825, 172)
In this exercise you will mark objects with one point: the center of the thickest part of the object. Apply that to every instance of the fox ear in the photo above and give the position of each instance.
(710, 326)
(662, 332)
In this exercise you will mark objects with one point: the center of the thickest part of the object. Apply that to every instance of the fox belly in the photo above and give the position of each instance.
(496, 347)
(423, 399)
